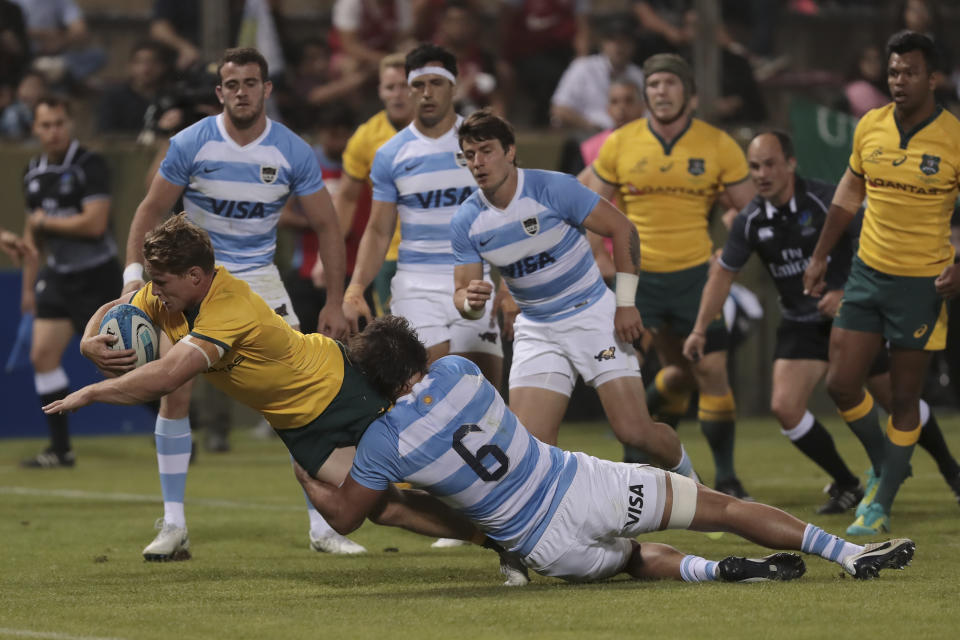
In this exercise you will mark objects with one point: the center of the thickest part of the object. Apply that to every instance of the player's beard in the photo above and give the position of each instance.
(245, 122)
(668, 121)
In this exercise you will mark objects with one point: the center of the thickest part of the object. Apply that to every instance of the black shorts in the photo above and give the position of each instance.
(811, 341)
(341, 424)
(77, 296)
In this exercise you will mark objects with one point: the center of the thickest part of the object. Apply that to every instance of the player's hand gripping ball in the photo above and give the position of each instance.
(134, 330)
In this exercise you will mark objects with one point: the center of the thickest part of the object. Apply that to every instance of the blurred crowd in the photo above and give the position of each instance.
(543, 63)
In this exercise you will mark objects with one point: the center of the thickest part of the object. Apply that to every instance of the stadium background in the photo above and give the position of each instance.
(818, 48)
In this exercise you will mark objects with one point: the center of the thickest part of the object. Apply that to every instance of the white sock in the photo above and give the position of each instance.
(826, 545)
(318, 526)
(173, 461)
(697, 569)
(685, 466)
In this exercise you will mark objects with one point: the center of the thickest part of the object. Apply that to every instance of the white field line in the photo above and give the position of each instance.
(51, 635)
(103, 496)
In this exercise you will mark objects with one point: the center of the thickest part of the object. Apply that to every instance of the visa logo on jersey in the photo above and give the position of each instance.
(443, 197)
(234, 209)
(528, 265)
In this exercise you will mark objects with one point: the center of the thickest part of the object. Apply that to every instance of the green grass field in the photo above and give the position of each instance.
(70, 563)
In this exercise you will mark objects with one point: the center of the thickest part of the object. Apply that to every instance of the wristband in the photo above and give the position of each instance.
(625, 289)
(133, 273)
(470, 312)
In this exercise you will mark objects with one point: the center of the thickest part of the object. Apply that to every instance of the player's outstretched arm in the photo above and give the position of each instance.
(158, 202)
(370, 255)
(711, 303)
(344, 507)
(150, 382)
(846, 200)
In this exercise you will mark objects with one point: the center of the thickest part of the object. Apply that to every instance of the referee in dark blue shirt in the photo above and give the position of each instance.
(67, 195)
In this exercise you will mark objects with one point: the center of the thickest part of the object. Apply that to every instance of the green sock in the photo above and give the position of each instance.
(896, 464)
(862, 420)
(720, 436)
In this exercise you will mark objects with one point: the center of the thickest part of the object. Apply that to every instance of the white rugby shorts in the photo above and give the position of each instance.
(607, 504)
(584, 344)
(426, 300)
(266, 282)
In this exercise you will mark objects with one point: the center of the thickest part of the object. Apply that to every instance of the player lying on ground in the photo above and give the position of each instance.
(569, 515)
(212, 323)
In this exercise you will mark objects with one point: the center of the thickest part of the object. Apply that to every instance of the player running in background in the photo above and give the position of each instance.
(669, 169)
(532, 226)
(906, 161)
(235, 171)
(352, 199)
(569, 515)
(420, 176)
(782, 225)
(67, 194)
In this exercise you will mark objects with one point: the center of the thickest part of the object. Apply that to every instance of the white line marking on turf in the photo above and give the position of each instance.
(137, 497)
(52, 635)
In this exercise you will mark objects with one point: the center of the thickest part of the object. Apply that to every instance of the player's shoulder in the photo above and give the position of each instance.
(377, 128)
(879, 117)
(818, 190)
(198, 133)
(542, 181)
(949, 124)
(445, 373)
(469, 208)
(702, 130)
(389, 150)
(286, 139)
(630, 131)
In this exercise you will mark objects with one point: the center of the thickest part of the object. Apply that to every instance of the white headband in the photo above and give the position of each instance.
(435, 70)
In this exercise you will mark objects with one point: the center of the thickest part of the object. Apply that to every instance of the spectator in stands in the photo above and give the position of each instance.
(580, 100)
(539, 38)
(364, 31)
(924, 16)
(177, 24)
(477, 85)
(16, 120)
(314, 84)
(14, 46)
(306, 281)
(124, 105)
(867, 87)
(59, 40)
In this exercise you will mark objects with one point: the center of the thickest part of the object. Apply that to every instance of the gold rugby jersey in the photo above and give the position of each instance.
(358, 159)
(287, 376)
(669, 189)
(911, 180)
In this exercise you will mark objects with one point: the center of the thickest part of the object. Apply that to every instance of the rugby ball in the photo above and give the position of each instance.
(134, 330)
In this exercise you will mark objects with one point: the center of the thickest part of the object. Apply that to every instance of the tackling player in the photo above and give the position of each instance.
(420, 176)
(669, 169)
(569, 515)
(906, 161)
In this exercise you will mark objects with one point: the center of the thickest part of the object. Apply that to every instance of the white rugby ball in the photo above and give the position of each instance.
(134, 330)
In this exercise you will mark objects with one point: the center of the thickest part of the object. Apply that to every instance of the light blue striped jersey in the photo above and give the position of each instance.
(454, 437)
(537, 242)
(236, 193)
(427, 178)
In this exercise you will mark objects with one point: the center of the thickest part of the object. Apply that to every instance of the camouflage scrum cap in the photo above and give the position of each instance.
(671, 63)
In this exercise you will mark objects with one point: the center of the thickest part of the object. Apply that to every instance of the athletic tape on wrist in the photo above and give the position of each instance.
(471, 313)
(625, 289)
(133, 273)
